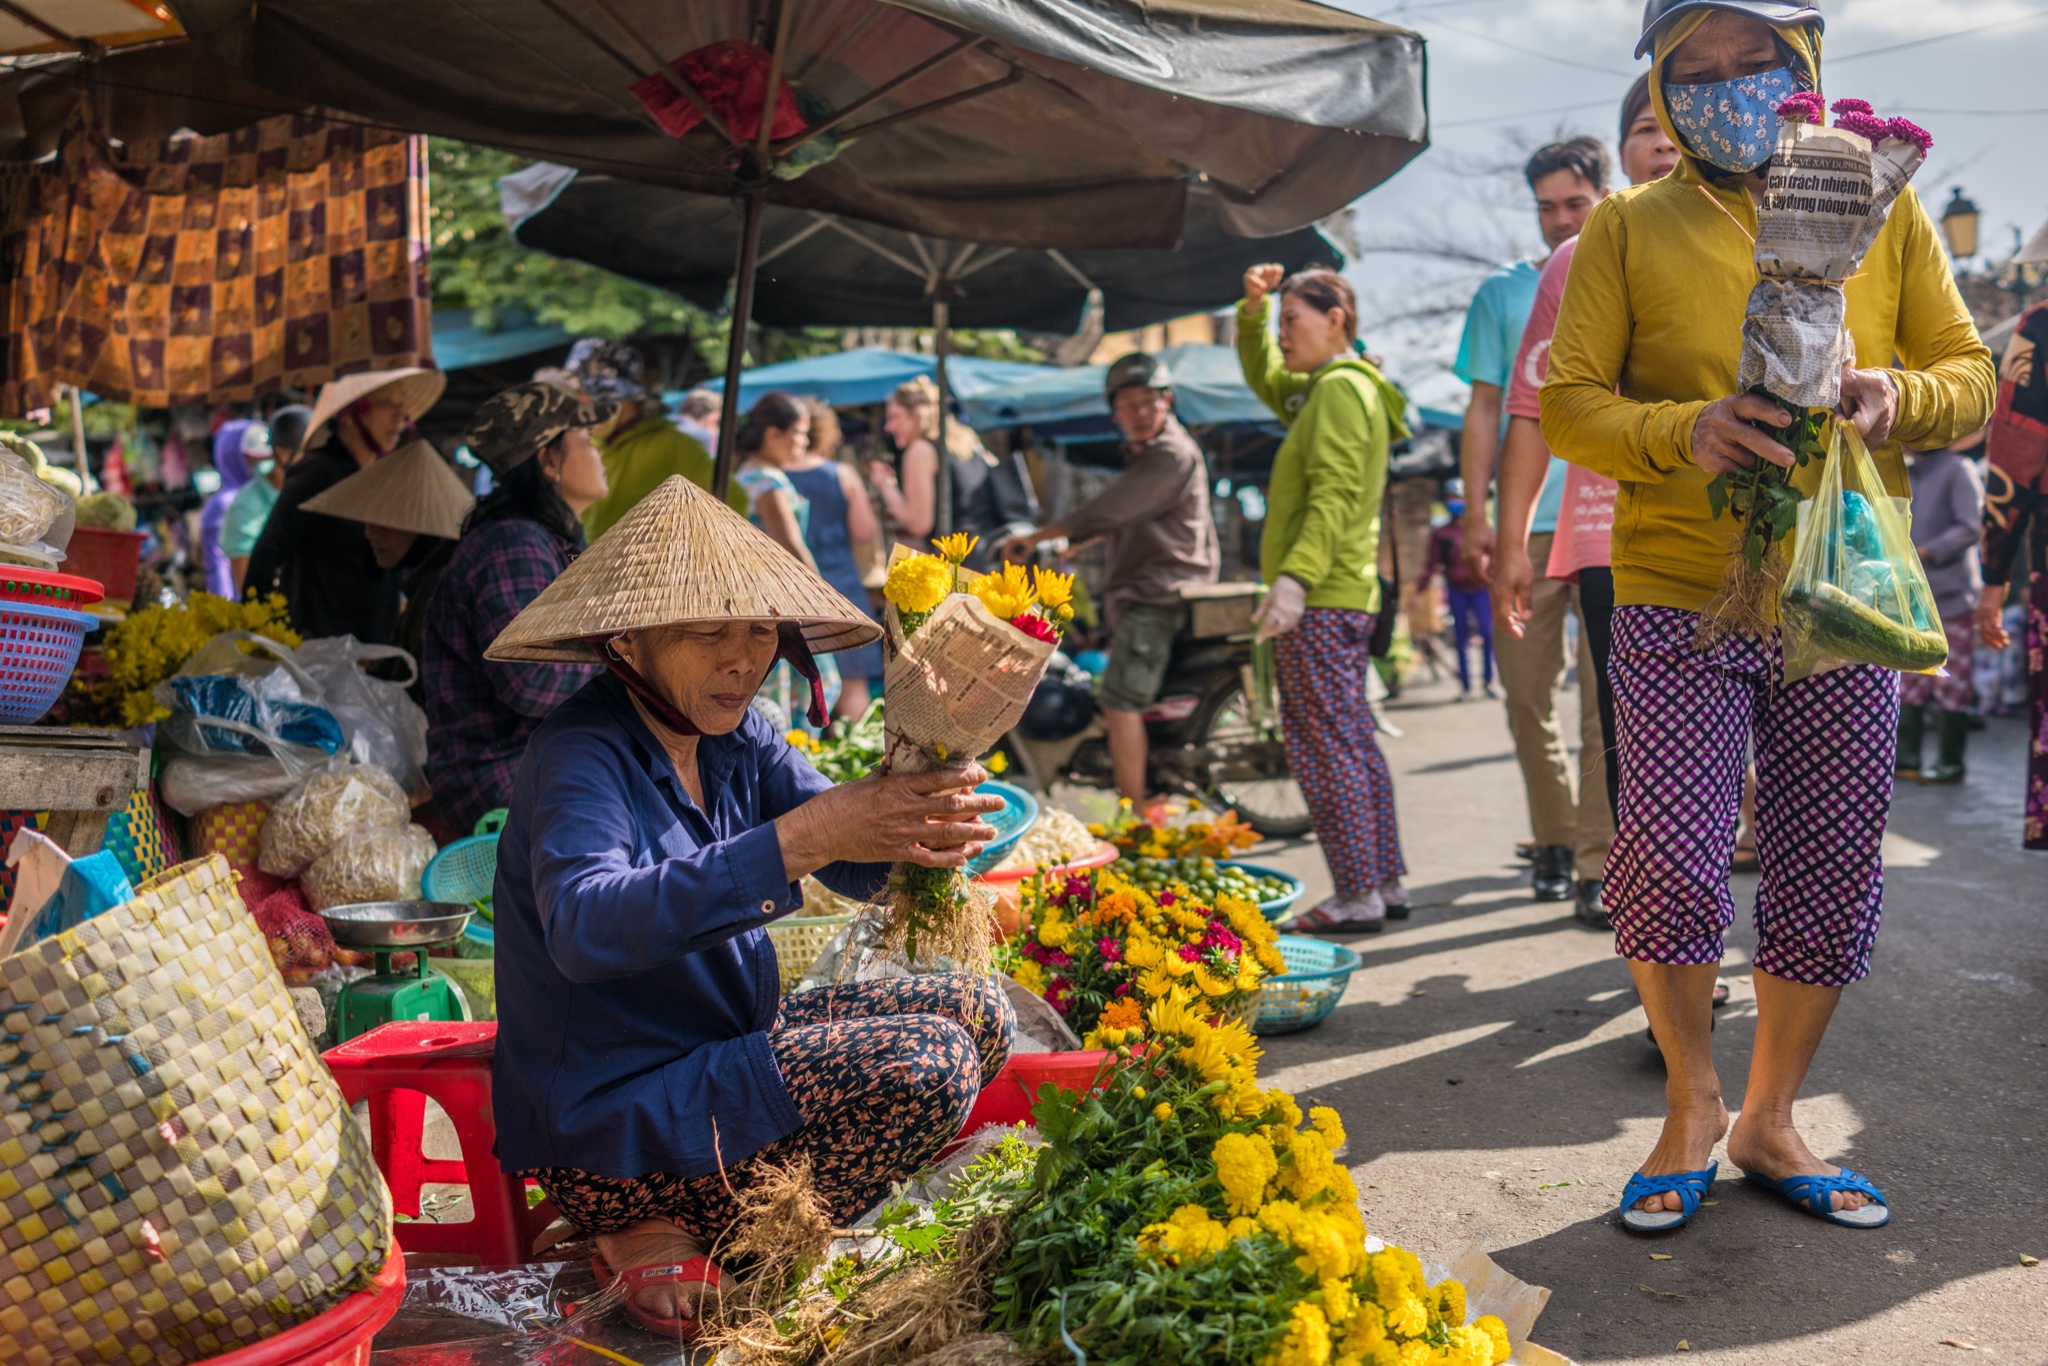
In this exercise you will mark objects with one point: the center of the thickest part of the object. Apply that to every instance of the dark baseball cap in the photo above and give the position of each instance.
(511, 427)
(1657, 13)
(1136, 371)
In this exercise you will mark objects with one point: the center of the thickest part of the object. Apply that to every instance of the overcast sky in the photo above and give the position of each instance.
(1507, 74)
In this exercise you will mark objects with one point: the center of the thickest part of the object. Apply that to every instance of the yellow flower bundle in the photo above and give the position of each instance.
(151, 645)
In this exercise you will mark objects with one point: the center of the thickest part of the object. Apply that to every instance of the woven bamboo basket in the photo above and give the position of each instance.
(799, 940)
(179, 1175)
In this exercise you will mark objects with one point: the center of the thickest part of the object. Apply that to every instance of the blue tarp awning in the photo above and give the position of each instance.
(1208, 389)
(459, 342)
(870, 374)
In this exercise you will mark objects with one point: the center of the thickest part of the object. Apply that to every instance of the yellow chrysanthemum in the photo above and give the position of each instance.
(918, 583)
(1030, 976)
(1007, 593)
(1308, 1338)
(1187, 1234)
(1156, 983)
(1496, 1333)
(1162, 1112)
(1244, 1165)
(1340, 1301)
(1055, 590)
(1211, 984)
(956, 547)
(1310, 1172)
(1143, 951)
(1450, 1301)
(1329, 1124)
(1419, 1354)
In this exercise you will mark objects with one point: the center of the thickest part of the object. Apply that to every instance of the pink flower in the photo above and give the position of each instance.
(1167, 898)
(1905, 130)
(1060, 959)
(1804, 107)
(1220, 938)
(1077, 888)
(1122, 989)
(1037, 627)
(1847, 106)
(1864, 125)
(1057, 995)
(1189, 953)
(1110, 950)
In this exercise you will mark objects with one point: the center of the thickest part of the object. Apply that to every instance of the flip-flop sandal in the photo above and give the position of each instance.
(1810, 1195)
(696, 1271)
(1316, 920)
(1691, 1188)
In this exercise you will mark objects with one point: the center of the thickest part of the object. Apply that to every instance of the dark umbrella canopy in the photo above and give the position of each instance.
(817, 270)
(1031, 123)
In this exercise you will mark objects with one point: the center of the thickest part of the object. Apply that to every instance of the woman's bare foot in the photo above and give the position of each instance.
(1687, 1144)
(1775, 1150)
(659, 1242)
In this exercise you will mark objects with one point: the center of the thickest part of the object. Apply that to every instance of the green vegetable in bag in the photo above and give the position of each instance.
(1855, 592)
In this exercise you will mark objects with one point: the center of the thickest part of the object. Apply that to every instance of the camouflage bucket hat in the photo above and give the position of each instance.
(511, 427)
(608, 369)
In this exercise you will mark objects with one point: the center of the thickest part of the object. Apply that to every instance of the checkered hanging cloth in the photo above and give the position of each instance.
(213, 269)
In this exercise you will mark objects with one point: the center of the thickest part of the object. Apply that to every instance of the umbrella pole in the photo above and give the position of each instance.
(736, 344)
(942, 495)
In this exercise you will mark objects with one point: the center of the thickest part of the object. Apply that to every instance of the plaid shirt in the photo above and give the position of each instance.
(479, 713)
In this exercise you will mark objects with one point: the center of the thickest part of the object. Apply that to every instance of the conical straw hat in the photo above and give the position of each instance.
(420, 390)
(680, 555)
(411, 489)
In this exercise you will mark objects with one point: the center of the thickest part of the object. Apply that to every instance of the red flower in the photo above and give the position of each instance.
(1037, 627)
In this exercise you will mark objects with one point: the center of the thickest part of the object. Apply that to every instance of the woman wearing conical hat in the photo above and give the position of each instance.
(325, 566)
(646, 1073)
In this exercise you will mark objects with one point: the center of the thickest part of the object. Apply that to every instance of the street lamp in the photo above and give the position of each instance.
(1959, 224)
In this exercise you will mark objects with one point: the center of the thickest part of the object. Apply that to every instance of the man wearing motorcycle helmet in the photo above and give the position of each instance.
(1155, 516)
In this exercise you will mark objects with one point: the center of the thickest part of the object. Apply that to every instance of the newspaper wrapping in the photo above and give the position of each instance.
(1828, 194)
(956, 686)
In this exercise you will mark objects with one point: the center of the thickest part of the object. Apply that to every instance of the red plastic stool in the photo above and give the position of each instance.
(397, 1066)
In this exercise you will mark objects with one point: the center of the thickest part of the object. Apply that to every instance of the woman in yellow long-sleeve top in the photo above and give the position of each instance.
(1642, 388)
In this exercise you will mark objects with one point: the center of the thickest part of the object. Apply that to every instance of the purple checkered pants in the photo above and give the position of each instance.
(1957, 691)
(1824, 753)
(1322, 666)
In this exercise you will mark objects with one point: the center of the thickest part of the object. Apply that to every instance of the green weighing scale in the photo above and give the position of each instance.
(388, 928)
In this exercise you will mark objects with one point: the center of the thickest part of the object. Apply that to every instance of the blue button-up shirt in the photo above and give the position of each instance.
(636, 985)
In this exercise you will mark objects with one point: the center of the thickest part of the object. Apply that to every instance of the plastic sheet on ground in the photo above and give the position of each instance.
(544, 1312)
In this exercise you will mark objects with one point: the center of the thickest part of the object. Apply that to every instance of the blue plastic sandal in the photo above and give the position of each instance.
(1691, 1188)
(1810, 1194)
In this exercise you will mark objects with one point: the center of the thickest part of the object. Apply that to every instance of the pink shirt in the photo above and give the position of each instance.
(1585, 519)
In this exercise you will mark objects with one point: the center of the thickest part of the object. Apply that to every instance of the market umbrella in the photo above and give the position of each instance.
(35, 27)
(1022, 123)
(869, 374)
(820, 270)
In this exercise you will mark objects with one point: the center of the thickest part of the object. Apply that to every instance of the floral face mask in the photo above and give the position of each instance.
(1731, 124)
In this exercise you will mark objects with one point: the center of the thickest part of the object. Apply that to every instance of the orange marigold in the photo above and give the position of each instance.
(1123, 1013)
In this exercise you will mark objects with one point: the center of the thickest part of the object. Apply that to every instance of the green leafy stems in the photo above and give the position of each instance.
(1762, 497)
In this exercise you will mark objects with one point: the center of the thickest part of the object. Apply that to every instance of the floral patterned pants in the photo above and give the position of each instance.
(1322, 666)
(884, 1073)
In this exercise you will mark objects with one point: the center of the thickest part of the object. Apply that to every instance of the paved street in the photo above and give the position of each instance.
(1491, 1066)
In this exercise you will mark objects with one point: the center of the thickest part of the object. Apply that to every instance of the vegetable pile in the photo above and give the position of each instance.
(1205, 878)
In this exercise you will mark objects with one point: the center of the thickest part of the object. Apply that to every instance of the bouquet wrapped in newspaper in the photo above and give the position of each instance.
(1828, 195)
(962, 654)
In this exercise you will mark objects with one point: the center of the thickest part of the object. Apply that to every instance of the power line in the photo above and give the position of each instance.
(1532, 52)
(1918, 43)
(1977, 113)
(1524, 114)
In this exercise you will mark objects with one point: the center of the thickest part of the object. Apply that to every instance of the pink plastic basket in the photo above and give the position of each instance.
(38, 649)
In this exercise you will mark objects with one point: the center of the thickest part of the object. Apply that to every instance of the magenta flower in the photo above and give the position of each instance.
(1849, 106)
(1905, 130)
(1864, 125)
(1167, 898)
(1060, 959)
(1110, 950)
(1189, 953)
(1804, 107)
(1122, 989)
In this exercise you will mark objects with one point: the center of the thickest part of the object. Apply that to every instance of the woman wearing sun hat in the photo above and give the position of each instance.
(646, 1073)
(325, 566)
(536, 440)
(1642, 388)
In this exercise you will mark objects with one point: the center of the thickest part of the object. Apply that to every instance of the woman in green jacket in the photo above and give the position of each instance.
(1320, 559)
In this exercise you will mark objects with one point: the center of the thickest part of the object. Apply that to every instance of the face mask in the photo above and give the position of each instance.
(1731, 124)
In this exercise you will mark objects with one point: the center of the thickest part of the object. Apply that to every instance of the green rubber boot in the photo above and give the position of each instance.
(1912, 720)
(1954, 736)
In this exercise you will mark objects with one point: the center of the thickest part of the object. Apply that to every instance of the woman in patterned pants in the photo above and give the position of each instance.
(1320, 554)
(1644, 387)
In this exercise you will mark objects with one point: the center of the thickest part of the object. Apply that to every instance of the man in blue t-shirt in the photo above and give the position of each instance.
(1567, 179)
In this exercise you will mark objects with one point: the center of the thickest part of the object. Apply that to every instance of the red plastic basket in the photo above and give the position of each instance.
(339, 1337)
(38, 648)
(46, 587)
(109, 556)
(1104, 855)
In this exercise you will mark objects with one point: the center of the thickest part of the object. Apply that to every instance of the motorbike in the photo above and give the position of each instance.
(1214, 731)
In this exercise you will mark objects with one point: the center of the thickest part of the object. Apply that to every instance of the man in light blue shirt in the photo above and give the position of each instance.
(1567, 180)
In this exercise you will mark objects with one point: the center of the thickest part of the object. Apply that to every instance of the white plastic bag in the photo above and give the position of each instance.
(312, 818)
(369, 863)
